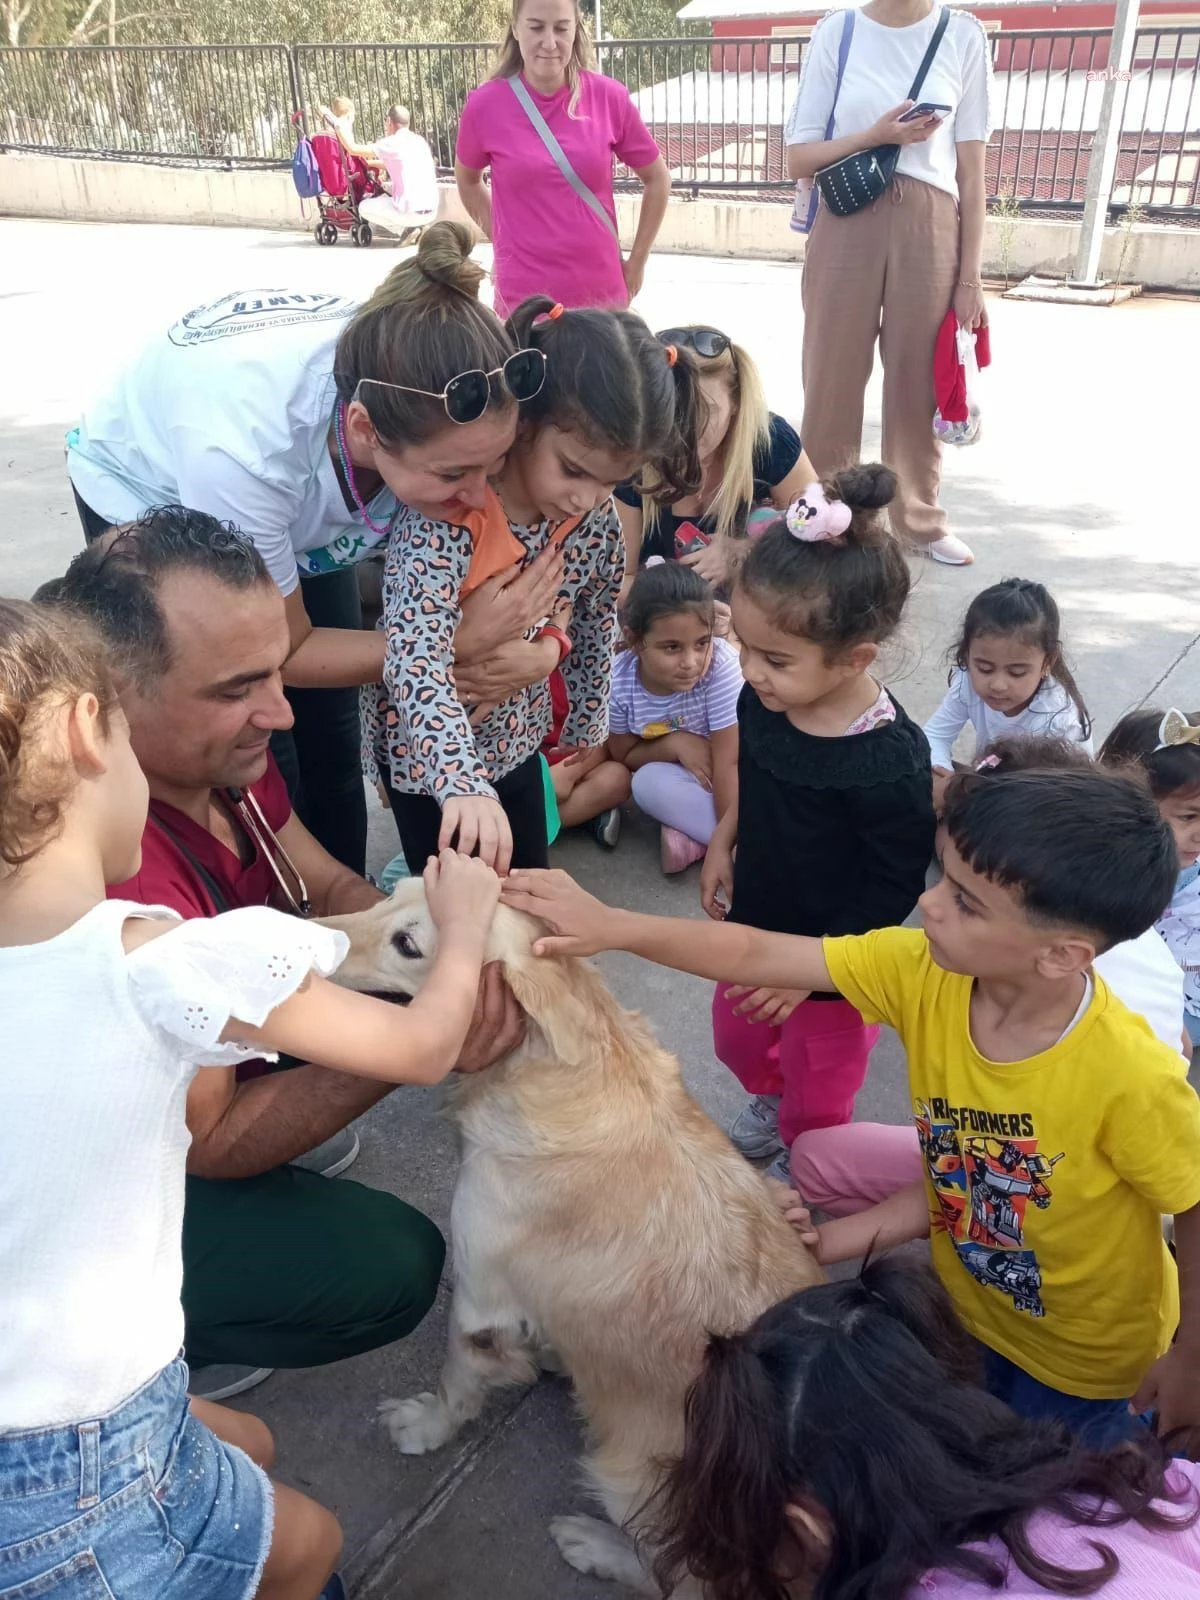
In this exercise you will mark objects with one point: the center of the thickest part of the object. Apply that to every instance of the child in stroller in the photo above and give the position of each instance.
(346, 181)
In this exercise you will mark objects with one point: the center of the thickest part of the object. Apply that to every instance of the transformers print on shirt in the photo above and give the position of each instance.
(986, 1171)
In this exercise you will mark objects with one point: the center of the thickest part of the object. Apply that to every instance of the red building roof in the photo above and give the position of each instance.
(764, 17)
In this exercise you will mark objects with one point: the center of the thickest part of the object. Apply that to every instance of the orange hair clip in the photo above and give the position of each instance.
(672, 355)
(554, 313)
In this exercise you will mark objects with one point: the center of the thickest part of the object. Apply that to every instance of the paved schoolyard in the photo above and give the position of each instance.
(1084, 478)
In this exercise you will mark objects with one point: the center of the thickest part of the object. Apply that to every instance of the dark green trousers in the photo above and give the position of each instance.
(294, 1270)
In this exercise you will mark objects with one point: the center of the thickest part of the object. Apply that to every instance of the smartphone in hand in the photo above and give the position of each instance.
(926, 108)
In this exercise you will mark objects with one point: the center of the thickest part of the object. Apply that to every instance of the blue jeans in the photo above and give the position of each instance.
(144, 1503)
(1099, 1424)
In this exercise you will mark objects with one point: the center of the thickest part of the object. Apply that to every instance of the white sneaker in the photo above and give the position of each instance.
(756, 1131)
(950, 552)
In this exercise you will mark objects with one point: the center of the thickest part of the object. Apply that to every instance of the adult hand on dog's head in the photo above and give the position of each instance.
(581, 922)
(497, 1027)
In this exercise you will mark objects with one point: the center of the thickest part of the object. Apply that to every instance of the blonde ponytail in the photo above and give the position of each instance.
(748, 438)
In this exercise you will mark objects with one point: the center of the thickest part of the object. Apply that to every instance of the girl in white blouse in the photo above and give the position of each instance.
(1009, 676)
(108, 1475)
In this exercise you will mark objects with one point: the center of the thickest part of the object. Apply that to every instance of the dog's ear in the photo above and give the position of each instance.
(552, 992)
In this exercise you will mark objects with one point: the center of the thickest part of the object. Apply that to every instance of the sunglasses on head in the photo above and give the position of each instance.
(468, 396)
(706, 342)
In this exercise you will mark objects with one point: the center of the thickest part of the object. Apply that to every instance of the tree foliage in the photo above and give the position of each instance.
(300, 21)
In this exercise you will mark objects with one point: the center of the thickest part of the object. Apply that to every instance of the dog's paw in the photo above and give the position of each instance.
(418, 1425)
(597, 1548)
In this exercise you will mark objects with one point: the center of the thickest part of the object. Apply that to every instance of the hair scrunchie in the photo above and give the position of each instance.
(814, 517)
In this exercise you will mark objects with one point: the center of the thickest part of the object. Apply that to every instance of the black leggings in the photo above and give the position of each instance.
(320, 757)
(93, 523)
(521, 793)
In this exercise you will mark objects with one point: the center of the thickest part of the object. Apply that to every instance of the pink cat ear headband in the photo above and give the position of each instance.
(814, 517)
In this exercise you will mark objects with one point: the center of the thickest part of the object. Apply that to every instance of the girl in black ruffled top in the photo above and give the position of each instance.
(833, 825)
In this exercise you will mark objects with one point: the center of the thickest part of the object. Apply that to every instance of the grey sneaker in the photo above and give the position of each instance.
(781, 1168)
(222, 1380)
(332, 1157)
(756, 1130)
(606, 828)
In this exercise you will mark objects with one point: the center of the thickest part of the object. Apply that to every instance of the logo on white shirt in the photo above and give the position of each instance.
(254, 310)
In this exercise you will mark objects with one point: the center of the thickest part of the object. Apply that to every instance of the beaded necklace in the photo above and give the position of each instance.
(339, 433)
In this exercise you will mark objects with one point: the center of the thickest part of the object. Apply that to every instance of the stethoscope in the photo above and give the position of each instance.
(267, 842)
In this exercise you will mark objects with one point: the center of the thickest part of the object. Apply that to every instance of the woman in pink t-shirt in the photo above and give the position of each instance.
(839, 1449)
(548, 239)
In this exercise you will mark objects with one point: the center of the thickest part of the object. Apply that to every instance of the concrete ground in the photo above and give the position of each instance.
(1081, 479)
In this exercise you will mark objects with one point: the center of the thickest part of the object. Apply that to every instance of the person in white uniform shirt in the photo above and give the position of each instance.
(892, 270)
(304, 419)
(412, 173)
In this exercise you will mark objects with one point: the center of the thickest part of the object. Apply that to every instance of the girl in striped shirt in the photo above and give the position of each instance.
(673, 709)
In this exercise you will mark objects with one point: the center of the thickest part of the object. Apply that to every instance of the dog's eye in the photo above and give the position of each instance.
(404, 944)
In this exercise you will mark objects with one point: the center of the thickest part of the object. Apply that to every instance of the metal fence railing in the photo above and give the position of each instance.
(191, 102)
(716, 106)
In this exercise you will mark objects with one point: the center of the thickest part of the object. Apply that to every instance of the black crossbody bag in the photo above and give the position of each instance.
(855, 181)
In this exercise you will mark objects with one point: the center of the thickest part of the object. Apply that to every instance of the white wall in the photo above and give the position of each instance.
(123, 191)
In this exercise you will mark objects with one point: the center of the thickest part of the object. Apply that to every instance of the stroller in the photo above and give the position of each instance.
(345, 181)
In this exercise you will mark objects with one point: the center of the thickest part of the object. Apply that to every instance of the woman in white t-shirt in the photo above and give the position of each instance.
(894, 269)
(305, 419)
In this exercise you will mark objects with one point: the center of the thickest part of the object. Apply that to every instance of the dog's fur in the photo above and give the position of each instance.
(599, 1215)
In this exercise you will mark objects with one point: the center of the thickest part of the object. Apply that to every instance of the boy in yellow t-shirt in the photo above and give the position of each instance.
(1056, 1128)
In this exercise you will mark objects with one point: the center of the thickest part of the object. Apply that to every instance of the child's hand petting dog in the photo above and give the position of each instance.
(582, 924)
(462, 892)
(476, 822)
(797, 1214)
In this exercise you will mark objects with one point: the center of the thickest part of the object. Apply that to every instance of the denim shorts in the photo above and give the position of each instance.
(144, 1503)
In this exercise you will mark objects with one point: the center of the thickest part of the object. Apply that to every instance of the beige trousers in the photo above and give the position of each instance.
(887, 272)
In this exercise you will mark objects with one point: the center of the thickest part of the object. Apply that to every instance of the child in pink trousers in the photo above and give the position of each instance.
(833, 825)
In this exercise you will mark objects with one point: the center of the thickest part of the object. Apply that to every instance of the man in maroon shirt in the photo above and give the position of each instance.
(282, 1268)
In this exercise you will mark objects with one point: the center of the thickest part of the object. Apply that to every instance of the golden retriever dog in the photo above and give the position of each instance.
(600, 1221)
